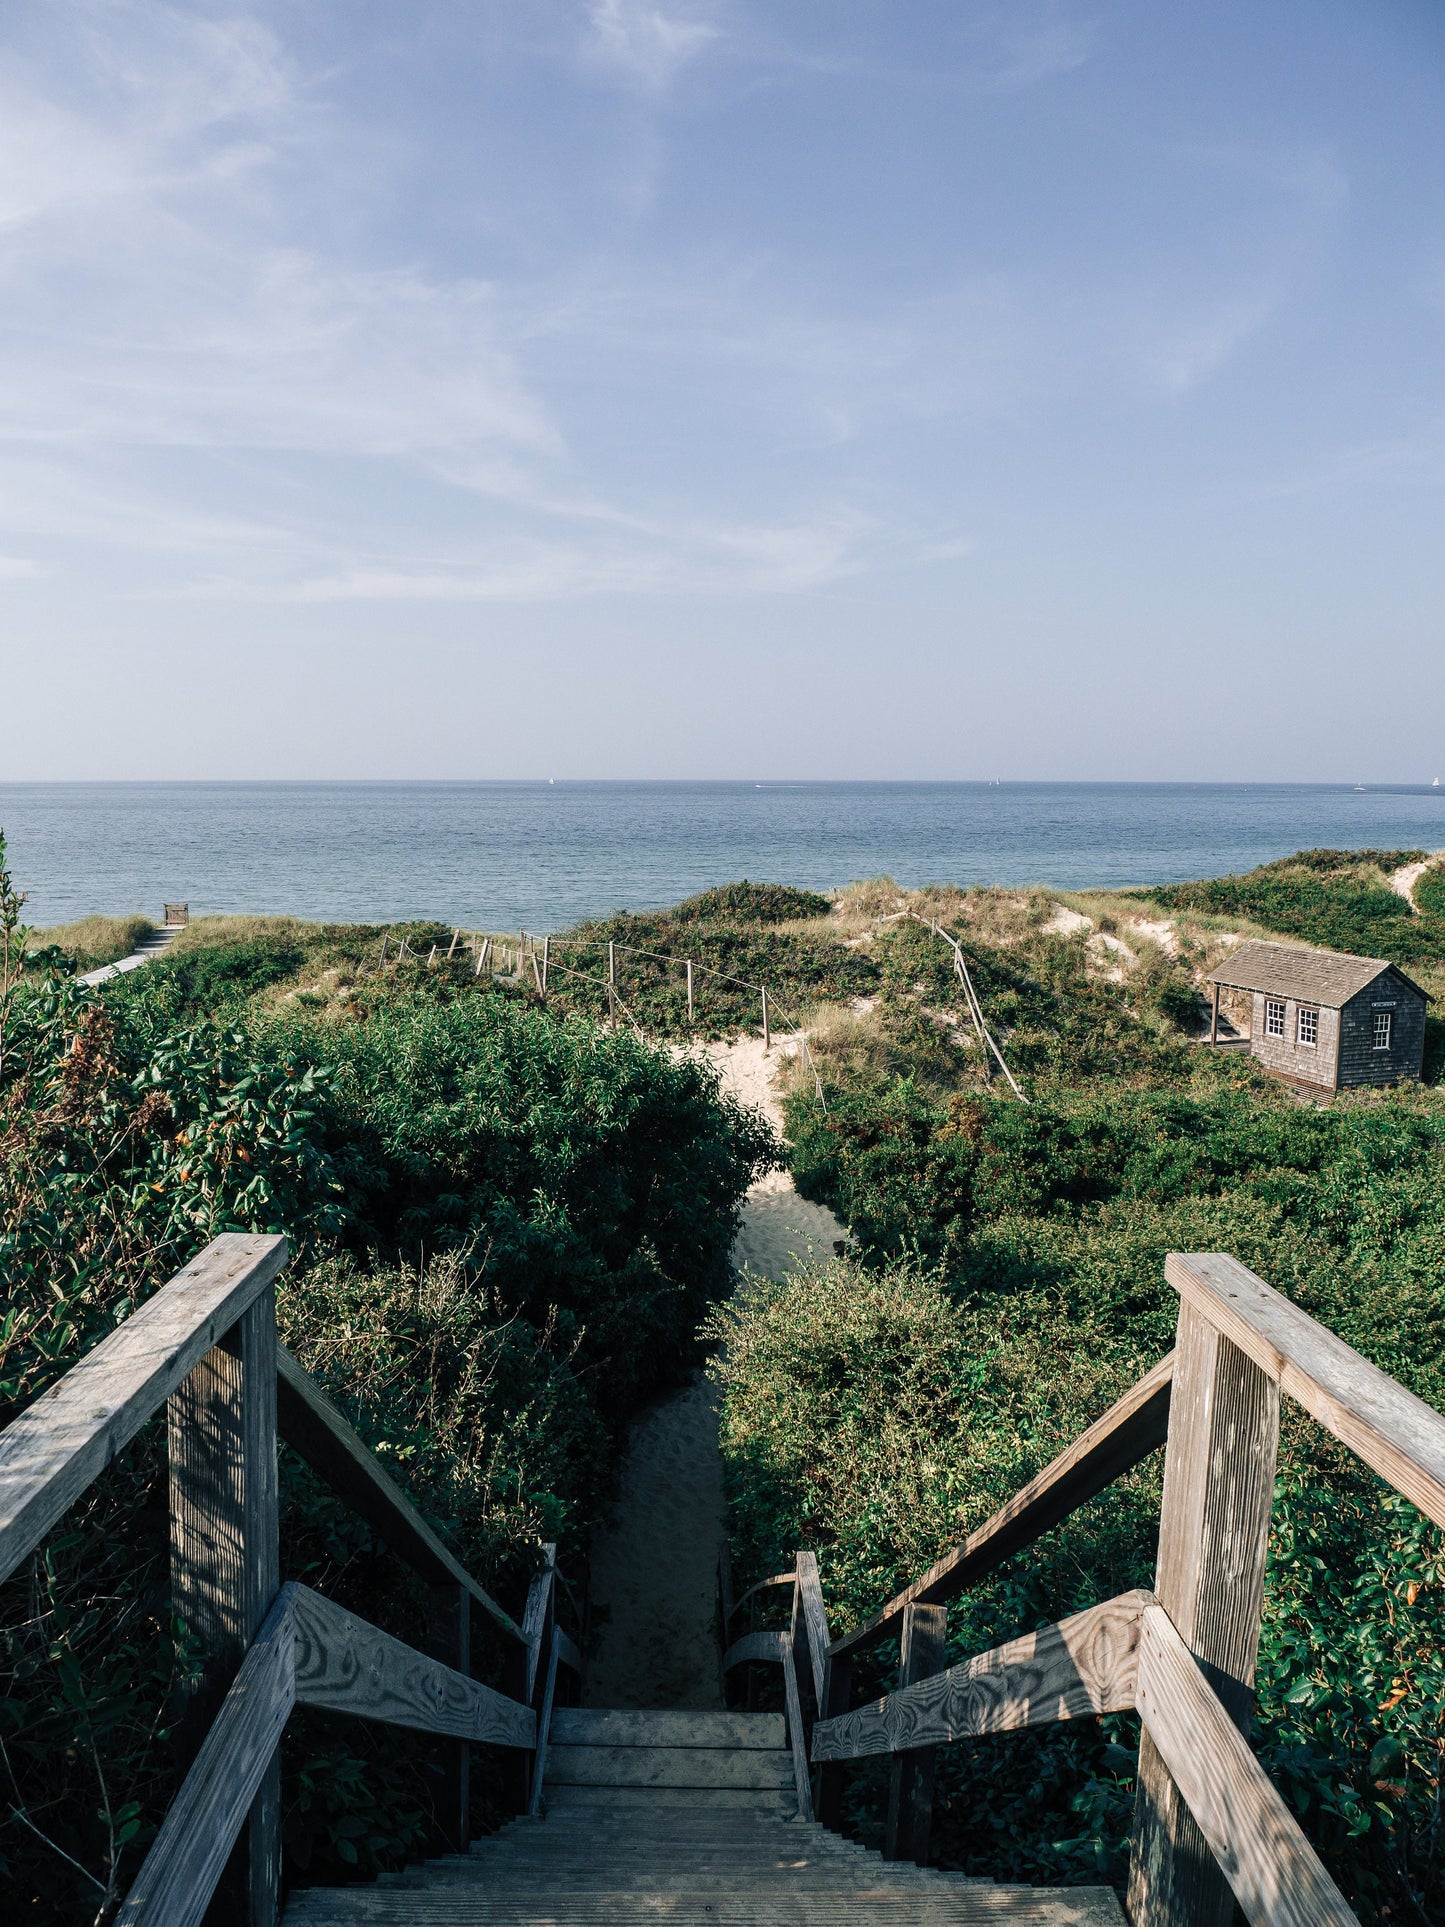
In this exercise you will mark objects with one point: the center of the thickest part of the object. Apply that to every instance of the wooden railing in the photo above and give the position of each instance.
(1209, 1828)
(205, 1347)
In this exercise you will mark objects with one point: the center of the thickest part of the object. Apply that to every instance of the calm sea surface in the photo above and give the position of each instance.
(540, 855)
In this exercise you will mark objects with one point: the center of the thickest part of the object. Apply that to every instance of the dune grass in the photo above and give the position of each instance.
(93, 941)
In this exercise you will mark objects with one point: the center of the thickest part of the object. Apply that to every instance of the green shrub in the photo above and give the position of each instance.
(1340, 899)
(87, 944)
(877, 1416)
(505, 1228)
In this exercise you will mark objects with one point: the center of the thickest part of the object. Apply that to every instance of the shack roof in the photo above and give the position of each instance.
(1329, 977)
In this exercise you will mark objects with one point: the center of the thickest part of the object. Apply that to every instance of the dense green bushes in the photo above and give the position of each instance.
(878, 1415)
(505, 1231)
(1340, 899)
(1047, 1226)
(739, 937)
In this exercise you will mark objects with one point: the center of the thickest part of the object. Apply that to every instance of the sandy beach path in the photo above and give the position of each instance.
(654, 1568)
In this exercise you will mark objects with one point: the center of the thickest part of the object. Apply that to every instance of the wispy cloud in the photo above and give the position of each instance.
(642, 43)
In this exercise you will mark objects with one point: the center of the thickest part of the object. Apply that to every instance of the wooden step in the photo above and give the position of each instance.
(666, 1766)
(966, 1907)
(772, 1804)
(596, 1726)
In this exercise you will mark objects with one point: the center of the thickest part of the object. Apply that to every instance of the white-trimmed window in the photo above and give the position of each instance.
(1274, 1017)
(1382, 1024)
(1307, 1028)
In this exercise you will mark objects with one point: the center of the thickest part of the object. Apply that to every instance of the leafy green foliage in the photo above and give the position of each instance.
(1340, 899)
(734, 938)
(1047, 1227)
(505, 1230)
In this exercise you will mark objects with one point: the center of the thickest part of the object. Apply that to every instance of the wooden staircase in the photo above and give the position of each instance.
(707, 1819)
(688, 1819)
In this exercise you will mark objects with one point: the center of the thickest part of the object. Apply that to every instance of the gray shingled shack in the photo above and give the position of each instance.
(1321, 1016)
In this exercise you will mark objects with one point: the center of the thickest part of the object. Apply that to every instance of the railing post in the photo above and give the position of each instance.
(1219, 1469)
(910, 1784)
(449, 1639)
(837, 1698)
(225, 1564)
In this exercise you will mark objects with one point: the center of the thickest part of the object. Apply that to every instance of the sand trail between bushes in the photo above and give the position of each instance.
(654, 1566)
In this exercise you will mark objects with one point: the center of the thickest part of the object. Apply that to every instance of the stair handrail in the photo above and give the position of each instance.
(204, 1346)
(1208, 1823)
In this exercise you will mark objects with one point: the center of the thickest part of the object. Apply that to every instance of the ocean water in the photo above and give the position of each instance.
(539, 855)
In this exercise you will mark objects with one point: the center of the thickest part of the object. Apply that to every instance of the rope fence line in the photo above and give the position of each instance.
(525, 952)
(519, 957)
(975, 1008)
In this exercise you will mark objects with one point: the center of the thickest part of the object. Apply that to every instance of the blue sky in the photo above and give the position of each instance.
(717, 388)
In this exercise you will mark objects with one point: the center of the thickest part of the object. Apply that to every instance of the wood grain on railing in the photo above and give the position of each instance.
(1132, 1428)
(347, 1665)
(763, 1585)
(189, 1853)
(226, 1550)
(809, 1609)
(312, 1424)
(802, 1781)
(1396, 1434)
(1081, 1666)
(1213, 1542)
(544, 1721)
(539, 1611)
(763, 1646)
(910, 1782)
(1274, 1873)
(58, 1445)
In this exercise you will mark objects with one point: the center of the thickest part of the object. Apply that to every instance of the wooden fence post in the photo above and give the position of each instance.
(910, 1784)
(225, 1564)
(611, 981)
(837, 1698)
(767, 1038)
(689, 990)
(546, 959)
(449, 1639)
(1219, 1469)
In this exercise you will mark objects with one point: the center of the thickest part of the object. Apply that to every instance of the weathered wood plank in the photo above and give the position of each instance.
(1129, 1431)
(910, 1781)
(544, 1726)
(449, 1639)
(814, 1618)
(836, 1700)
(1213, 1544)
(567, 1653)
(58, 1445)
(535, 1615)
(225, 1561)
(320, 1432)
(350, 1666)
(189, 1853)
(1081, 1666)
(595, 1726)
(797, 1740)
(763, 1585)
(764, 1646)
(1396, 1434)
(667, 1766)
(1273, 1871)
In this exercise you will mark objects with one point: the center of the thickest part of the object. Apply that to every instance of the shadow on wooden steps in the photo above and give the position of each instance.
(684, 1818)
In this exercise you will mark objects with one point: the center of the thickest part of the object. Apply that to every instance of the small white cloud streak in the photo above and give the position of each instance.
(642, 44)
